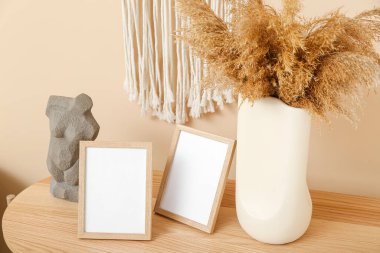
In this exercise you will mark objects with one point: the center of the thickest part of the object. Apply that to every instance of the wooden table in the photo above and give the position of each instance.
(37, 222)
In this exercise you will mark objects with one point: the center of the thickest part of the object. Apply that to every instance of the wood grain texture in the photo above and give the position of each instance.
(326, 205)
(37, 222)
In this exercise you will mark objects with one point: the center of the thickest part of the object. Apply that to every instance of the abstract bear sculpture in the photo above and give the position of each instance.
(71, 121)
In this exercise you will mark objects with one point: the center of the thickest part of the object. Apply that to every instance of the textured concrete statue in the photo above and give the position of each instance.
(71, 121)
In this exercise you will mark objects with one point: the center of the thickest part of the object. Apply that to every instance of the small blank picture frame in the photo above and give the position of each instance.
(115, 190)
(194, 179)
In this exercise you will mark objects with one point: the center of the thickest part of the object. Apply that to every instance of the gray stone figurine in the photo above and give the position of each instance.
(71, 121)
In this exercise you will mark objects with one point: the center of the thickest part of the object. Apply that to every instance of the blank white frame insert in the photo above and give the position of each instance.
(115, 190)
(194, 178)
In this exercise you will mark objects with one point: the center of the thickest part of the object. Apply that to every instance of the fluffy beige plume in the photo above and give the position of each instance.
(323, 65)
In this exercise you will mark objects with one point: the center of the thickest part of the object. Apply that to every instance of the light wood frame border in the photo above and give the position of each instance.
(209, 228)
(82, 182)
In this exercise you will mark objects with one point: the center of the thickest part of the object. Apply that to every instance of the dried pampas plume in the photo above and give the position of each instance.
(323, 65)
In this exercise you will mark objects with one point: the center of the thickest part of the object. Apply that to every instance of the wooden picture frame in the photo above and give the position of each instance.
(115, 190)
(176, 197)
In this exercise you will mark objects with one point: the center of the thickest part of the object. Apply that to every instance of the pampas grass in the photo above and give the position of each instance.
(322, 65)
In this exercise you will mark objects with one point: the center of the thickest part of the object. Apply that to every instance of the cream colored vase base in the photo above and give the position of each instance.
(272, 197)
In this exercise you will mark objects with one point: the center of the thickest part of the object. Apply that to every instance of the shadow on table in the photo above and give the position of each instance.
(8, 185)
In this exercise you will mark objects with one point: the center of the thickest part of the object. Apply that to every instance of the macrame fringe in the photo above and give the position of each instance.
(156, 67)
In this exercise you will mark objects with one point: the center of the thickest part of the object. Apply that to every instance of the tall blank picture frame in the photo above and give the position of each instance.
(115, 190)
(194, 179)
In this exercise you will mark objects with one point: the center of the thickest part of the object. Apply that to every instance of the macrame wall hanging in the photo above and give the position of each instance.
(161, 72)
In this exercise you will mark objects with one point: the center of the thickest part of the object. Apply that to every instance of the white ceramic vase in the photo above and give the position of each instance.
(272, 197)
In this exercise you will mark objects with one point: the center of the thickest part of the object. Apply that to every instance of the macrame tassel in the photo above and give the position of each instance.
(149, 70)
(217, 96)
(157, 54)
(168, 59)
(128, 78)
(195, 97)
(136, 8)
(130, 83)
(228, 95)
(200, 100)
(196, 72)
(142, 49)
(186, 81)
(183, 78)
(179, 73)
(151, 58)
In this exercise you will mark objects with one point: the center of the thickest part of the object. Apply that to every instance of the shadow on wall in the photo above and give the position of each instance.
(8, 185)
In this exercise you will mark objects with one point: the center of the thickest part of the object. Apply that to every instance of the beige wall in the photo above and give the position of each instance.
(73, 46)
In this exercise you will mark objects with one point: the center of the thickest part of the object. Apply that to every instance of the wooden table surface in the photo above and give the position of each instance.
(37, 222)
